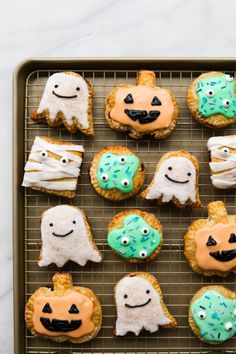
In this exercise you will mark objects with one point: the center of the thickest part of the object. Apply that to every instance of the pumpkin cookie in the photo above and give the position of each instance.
(212, 314)
(210, 244)
(68, 312)
(135, 235)
(175, 180)
(142, 109)
(211, 99)
(116, 173)
(140, 306)
(67, 100)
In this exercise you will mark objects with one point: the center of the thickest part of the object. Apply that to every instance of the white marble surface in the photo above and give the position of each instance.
(83, 28)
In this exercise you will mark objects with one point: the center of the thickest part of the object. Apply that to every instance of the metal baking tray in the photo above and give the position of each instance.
(177, 280)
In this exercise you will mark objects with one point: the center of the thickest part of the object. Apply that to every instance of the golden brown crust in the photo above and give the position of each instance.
(214, 121)
(180, 153)
(151, 219)
(63, 286)
(60, 118)
(115, 194)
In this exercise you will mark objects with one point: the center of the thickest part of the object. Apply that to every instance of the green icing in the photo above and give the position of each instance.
(136, 239)
(214, 92)
(219, 313)
(115, 173)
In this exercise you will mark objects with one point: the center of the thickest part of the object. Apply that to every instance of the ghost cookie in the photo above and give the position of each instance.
(66, 313)
(140, 306)
(53, 167)
(66, 235)
(142, 109)
(175, 180)
(222, 150)
(116, 173)
(211, 99)
(212, 314)
(135, 235)
(210, 244)
(67, 99)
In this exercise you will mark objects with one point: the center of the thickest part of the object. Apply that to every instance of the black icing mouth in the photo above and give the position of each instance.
(55, 325)
(60, 96)
(143, 117)
(173, 180)
(63, 235)
(141, 305)
(223, 256)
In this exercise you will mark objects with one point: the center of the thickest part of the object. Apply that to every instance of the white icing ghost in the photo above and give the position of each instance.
(65, 237)
(69, 94)
(138, 306)
(176, 177)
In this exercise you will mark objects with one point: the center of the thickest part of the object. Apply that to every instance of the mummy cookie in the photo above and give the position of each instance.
(140, 306)
(116, 173)
(66, 235)
(67, 313)
(222, 150)
(53, 166)
(135, 235)
(210, 244)
(175, 180)
(212, 314)
(67, 99)
(211, 99)
(143, 108)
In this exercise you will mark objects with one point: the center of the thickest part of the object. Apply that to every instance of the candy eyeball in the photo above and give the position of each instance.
(226, 150)
(43, 154)
(104, 177)
(210, 93)
(125, 241)
(202, 315)
(122, 160)
(229, 77)
(143, 254)
(226, 103)
(228, 326)
(145, 230)
(64, 161)
(125, 182)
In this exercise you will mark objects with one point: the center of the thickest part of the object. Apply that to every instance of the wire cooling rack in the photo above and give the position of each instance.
(177, 281)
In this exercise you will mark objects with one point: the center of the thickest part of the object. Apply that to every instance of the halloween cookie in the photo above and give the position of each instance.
(222, 150)
(175, 180)
(66, 235)
(210, 244)
(211, 99)
(143, 108)
(135, 235)
(140, 306)
(212, 314)
(67, 312)
(116, 173)
(67, 99)
(53, 166)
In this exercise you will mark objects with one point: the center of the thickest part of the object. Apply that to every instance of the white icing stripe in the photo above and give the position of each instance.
(228, 140)
(45, 176)
(220, 154)
(55, 185)
(222, 166)
(44, 144)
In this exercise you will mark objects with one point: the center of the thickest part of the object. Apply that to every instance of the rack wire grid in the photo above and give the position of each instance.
(178, 282)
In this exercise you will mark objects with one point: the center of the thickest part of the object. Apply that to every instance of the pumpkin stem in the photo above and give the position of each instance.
(62, 281)
(146, 78)
(217, 211)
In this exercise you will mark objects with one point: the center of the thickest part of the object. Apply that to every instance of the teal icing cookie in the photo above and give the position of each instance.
(216, 96)
(136, 239)
(215, 316)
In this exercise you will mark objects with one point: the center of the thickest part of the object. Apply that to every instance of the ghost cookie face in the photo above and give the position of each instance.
(67, 99)
(143, 108)
(135, 235)
(175, 180)
(211, 99)
(212, 314)
(66, 238)
(210, 244)
(68, 312)
(116, 173)
(53, 167)
(222, 150)
(140, 306)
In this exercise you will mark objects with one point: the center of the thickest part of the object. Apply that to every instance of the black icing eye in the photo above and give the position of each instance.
(77, 88)
(211, 241)
(147, 291)
(74, 222)
(129, 99)
(51, 224)
(73, 309)
(232, 238)
(156, 101)
(56, 86)
(189, 174)
(47, 308)
(125, 296)
(169, 168)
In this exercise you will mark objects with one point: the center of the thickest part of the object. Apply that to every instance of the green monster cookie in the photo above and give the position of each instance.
(215, 316)
(216, 96)
(117, 171)
(136, 239)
